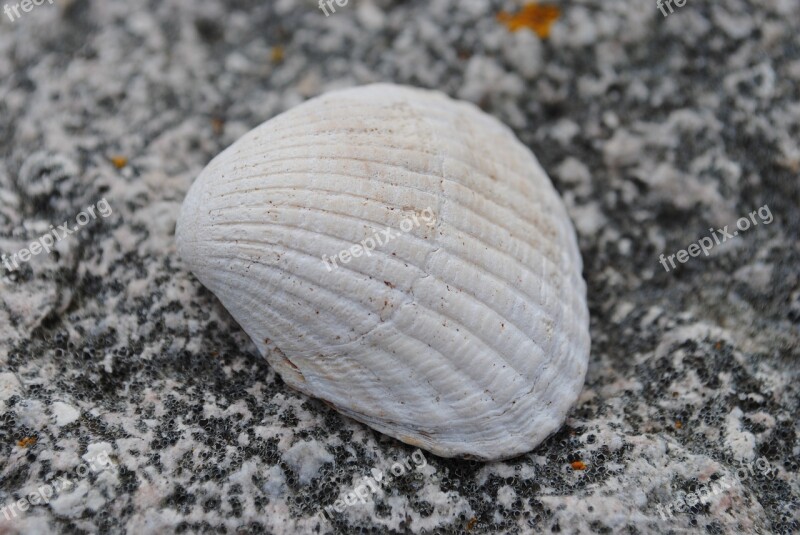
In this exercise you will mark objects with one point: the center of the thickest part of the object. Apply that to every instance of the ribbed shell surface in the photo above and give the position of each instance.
(466, 333)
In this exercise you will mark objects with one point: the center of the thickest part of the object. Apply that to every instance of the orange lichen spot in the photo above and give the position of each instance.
(678, 424)
(277, 54)
(471, 523)
(119, 161)
(217, 125)
(536, 17)
(578, 465)
(718, 346)
(26, 442)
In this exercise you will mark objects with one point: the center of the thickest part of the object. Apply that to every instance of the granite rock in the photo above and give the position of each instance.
(659, 132)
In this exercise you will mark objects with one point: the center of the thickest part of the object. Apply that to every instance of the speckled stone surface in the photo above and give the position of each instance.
(655, 130)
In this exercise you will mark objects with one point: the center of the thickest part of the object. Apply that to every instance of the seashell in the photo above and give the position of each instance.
(461, 328)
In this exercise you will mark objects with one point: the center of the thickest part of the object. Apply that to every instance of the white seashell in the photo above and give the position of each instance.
(465, 334)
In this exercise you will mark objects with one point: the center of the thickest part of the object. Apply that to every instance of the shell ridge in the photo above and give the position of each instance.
(520, 150)
(469, 337)
(262, 172)
(544, 362)
(510, 208)
(390, 329)
(346, 242)
(331, 193)
(389, 257)
(300, 359)
(538, 181)
(494, 200)
(507, 201)
(440, 221)
(472, 377)
(333, 144)
(526, 183)
(511, 235)
(311, 304)
(511, 322)
(529, 269)
(477, 338)
(509, 193)
(445, 199)
(343, 346)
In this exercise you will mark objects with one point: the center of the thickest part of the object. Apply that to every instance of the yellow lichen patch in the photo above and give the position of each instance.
(119, 161)
(578, 465)
(26, 442)
(536, 17)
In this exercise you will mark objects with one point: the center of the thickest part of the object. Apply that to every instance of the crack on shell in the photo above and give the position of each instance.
(298, 374)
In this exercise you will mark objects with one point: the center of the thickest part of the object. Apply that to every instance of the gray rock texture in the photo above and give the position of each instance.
(131, 402)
